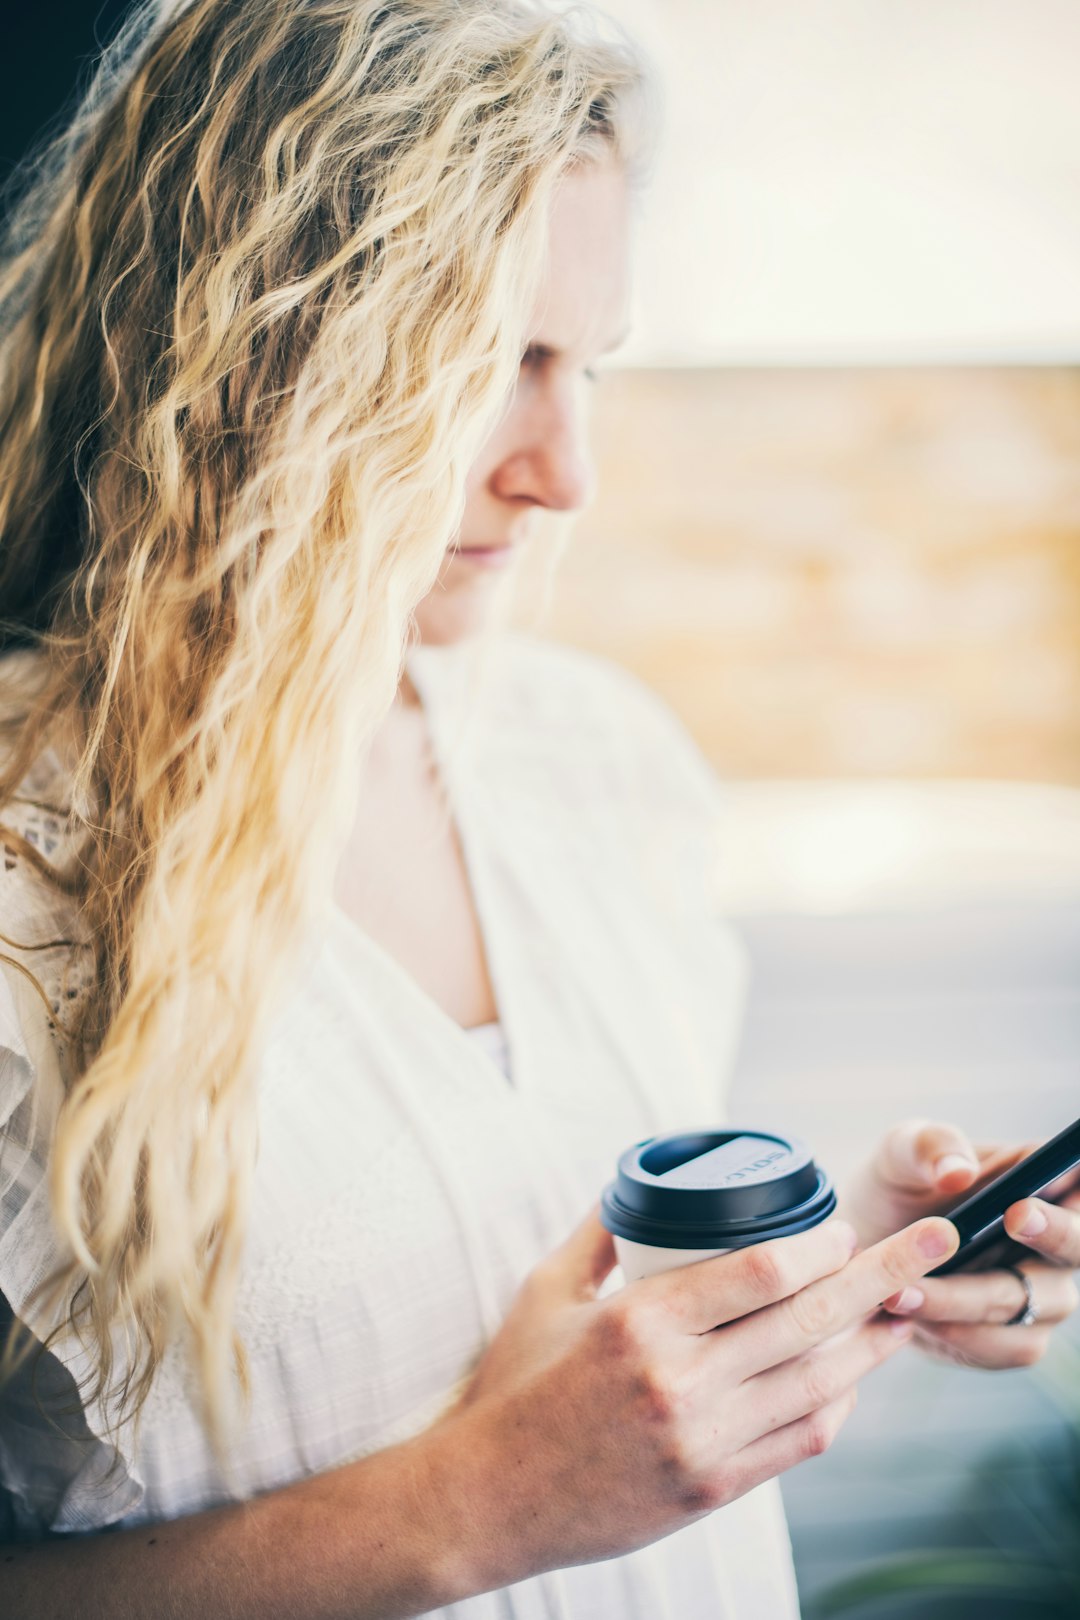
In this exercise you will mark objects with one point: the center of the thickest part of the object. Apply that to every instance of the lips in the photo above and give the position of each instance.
(494, 556)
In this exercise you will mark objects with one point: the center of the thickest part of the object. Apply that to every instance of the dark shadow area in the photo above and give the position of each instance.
(48, 53)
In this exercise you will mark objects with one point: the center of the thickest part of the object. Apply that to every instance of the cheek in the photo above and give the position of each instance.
(499, 446)
(476, 478)
(475, 488)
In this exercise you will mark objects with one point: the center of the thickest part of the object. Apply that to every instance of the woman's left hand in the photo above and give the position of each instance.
(923, 1168)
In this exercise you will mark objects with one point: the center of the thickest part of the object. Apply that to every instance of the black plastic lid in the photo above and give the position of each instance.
(715, 1189)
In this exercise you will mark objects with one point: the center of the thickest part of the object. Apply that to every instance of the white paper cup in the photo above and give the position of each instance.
(692, 1195)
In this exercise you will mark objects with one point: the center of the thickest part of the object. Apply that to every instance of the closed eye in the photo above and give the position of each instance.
(539, 353)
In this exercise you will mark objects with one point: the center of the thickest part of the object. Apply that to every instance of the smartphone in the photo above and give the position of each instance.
(980, 1218)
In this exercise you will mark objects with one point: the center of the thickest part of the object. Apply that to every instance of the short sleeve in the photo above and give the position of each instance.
(58, 1472)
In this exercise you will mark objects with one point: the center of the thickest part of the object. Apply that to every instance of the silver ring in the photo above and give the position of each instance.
(1028, 1314)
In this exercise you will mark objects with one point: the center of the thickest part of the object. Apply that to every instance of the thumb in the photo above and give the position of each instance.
(921, 1155)
(582, 1261)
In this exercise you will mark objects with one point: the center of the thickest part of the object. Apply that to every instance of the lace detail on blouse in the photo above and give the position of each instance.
(33, 910)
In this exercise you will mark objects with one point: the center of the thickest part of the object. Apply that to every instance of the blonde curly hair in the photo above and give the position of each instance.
(260, 305)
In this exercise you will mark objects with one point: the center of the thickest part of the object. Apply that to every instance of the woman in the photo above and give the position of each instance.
(289, 947)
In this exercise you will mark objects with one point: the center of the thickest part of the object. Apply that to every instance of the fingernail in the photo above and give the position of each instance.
(1034, 1222)
(902, 1330)
(950, 1163)
(934, 1241)
(909, 1299)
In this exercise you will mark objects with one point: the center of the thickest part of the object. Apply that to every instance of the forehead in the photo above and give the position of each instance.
(584, 292)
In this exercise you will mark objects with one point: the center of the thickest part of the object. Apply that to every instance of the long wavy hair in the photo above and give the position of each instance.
(261, 302)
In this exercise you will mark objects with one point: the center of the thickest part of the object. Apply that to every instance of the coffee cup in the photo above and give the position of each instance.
(691, 1195)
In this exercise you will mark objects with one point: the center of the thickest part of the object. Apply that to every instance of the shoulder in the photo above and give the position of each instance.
(525, 694)
(44, 962)
(39, 844)
(35, 961)
(546, 681)
(613, 767)
(576, 703)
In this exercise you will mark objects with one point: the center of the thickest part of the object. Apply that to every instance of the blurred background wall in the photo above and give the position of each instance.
(842, 571)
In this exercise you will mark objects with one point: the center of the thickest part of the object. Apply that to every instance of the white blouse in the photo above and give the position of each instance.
(491, 1038)
(409, 1174)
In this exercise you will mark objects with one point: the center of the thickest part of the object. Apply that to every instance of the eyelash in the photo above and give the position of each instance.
(534, 354)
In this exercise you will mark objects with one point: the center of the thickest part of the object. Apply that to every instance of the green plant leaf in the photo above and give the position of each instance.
(935, 1572)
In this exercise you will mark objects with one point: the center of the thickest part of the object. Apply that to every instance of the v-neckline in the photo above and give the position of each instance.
(416, 665)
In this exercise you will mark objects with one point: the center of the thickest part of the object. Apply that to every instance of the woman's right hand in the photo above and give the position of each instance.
(594, 1426)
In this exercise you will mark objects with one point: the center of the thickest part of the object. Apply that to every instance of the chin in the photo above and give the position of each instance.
(443, 621)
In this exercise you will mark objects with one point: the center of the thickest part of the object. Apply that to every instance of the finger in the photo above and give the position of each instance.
(1049, 1229)
(1065, 1190)
(784, 1394)
(827, 1306)
(921, 1155)
(578, 1266)
(707, 1293)
(991, 1348)
(775, 1453)
(997, 1157)
(987, 1297)
(998, 1154)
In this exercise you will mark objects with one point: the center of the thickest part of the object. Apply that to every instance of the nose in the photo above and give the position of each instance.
(550, 462)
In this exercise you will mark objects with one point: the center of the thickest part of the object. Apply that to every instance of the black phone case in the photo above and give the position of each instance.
(980, 1218)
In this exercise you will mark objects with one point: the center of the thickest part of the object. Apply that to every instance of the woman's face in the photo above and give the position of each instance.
(538, 455)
